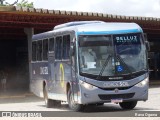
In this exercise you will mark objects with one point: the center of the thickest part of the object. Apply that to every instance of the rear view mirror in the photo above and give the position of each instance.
(72, 50)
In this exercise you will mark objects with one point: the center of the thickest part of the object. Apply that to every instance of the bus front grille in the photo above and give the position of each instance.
(116, 96)
(120, 88)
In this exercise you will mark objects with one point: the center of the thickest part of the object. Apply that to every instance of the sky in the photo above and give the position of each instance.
(144, 8)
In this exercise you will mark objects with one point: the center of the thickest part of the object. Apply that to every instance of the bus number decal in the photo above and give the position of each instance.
(44, 70)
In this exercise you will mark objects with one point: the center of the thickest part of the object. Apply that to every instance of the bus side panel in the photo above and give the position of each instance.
(40, 74)
(62, 77)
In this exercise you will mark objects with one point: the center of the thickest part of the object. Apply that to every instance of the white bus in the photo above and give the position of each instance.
(90, 62)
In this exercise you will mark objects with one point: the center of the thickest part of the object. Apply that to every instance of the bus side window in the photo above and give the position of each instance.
(39, 50)
(34, 51)
(58, 48)
(66, 46)
(45, 49)
(51, 44)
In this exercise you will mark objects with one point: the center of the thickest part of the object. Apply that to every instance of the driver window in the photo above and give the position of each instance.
(88, 57)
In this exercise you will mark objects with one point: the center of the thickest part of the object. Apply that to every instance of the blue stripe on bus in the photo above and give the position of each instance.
(111, 32)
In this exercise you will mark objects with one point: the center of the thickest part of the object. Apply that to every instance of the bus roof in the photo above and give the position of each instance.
(99, 27)
(93, 27)
(76, 23)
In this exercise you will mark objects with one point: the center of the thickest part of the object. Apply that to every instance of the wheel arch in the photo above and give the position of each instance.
(44, 85)
(68, 86)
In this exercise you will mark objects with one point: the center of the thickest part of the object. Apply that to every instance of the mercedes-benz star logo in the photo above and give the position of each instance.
(116, 90)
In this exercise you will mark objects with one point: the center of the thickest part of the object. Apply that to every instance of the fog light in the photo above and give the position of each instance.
(86, 95)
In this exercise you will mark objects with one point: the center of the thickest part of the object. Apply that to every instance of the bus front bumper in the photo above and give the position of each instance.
(98, 95)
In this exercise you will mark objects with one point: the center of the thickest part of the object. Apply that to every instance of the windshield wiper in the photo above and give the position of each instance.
(122, 61)
(104, 66)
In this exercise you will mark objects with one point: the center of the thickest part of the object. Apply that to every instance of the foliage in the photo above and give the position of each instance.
(25, 3)
(6, 3)
(1, 2)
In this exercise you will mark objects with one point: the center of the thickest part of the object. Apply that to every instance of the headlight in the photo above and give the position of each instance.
(143, 83)
(87, 85)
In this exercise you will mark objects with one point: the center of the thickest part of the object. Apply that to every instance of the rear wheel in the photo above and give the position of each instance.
(48, 102)
(128, 105)
(72, 105)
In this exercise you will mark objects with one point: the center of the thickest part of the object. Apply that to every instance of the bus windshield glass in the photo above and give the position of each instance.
(102, 55)
(130, 50)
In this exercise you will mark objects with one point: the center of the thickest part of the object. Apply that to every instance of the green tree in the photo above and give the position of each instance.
(25, 3)
(3, 3)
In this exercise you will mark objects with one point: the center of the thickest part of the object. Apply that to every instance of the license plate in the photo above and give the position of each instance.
(116, 100)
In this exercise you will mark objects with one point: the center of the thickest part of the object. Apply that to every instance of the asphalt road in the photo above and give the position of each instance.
(30, 102)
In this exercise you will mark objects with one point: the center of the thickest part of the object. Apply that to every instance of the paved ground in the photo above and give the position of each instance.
(22, 99)
(29, 102)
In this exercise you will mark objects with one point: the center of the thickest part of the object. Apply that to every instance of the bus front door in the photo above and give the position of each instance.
(74, 80)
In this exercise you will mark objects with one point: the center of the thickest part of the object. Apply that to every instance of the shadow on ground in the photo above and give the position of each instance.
(97, 109)
(18, 96)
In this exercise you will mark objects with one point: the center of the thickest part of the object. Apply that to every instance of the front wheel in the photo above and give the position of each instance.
(128, 105)
(72, 105)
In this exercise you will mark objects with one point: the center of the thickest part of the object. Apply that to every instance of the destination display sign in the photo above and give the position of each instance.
(127, 39)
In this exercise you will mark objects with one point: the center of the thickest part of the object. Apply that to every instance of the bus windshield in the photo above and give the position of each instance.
(102, 55)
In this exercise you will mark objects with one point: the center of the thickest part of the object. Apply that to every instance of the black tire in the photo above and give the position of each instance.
(72, 105)
(128, 105)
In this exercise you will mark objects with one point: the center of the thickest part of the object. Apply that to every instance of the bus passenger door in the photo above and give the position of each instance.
(51, 82)
(73, 73)
(51, 61)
